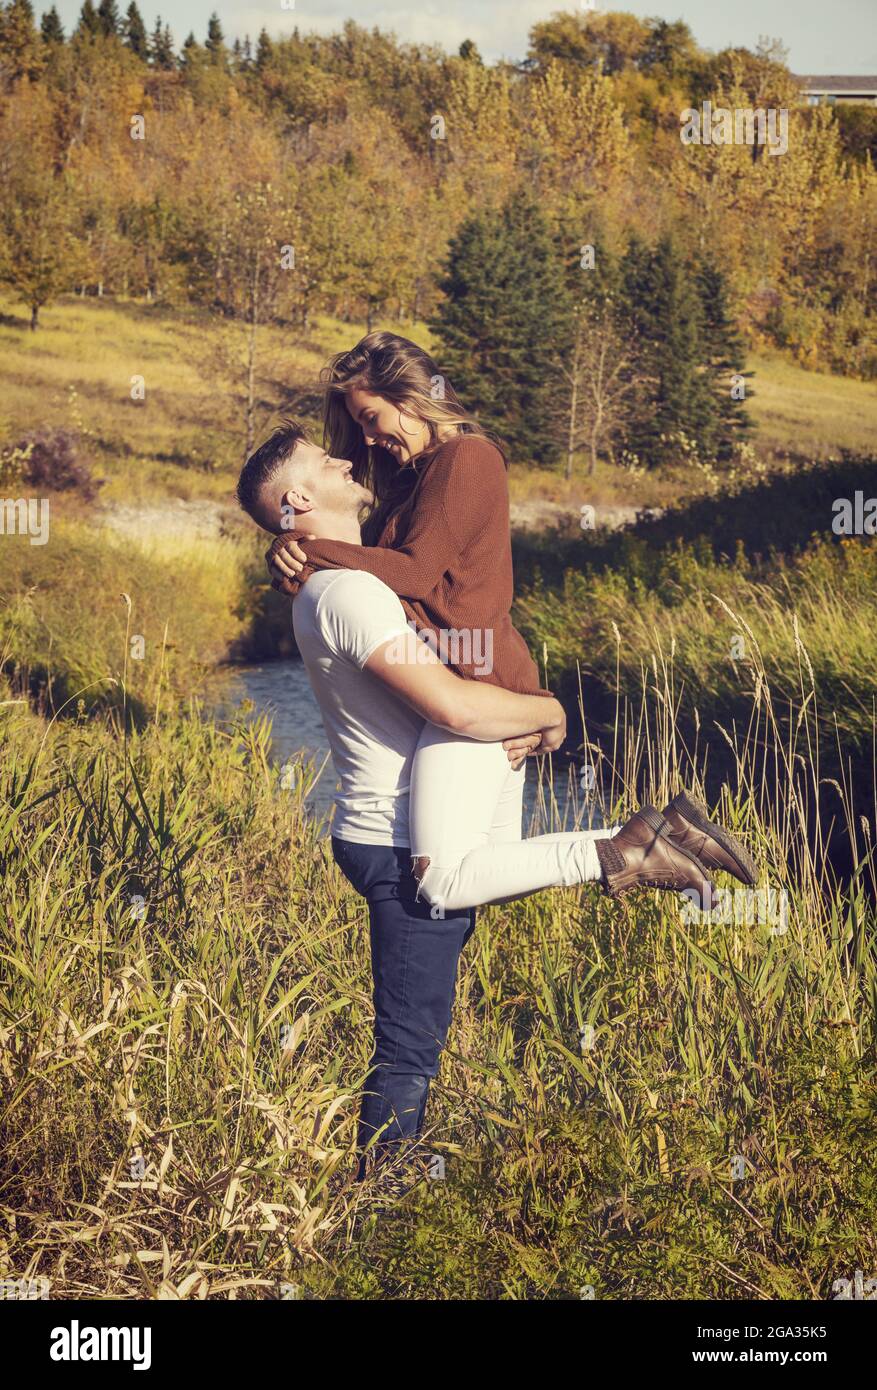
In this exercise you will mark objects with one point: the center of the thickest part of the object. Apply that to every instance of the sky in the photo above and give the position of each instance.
(822, 36)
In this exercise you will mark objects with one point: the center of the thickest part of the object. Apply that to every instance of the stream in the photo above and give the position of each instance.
(282, 690)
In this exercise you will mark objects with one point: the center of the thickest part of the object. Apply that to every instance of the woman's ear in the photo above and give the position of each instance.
(410, 423)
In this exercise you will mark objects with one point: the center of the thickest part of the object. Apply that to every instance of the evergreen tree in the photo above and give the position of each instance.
(89, 24)
(108, 18)
(215, 43)
(469, 53)
(161, 47)
(676, 408)
(505, 307)
(723, 356)
(593, 269)
(190, 51)
(134, 32)
(51, 27)
(264, 50)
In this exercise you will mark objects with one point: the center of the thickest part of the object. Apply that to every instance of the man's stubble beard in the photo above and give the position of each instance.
(338, 525)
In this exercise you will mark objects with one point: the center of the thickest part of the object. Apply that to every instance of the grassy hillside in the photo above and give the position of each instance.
(811, 414)
(186, 439)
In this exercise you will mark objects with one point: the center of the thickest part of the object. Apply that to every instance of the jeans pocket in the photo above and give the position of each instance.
(346, 858)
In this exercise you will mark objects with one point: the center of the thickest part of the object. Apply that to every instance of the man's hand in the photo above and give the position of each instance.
(553, 738)
(286, 560)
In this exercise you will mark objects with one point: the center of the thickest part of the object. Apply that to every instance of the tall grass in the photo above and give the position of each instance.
(725, 628)
(168, 908)
(92, 609)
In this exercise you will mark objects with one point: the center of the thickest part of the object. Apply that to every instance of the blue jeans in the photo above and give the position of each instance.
(414, 968)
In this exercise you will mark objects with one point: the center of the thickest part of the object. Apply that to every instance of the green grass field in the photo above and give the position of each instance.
(811, 414)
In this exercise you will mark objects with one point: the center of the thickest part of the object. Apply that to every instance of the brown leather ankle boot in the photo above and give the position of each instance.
(715, 847)
(643, 855)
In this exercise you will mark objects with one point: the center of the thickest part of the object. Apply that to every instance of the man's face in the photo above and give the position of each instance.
(310, 485)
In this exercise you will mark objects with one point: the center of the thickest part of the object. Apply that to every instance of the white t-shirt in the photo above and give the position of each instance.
(339, 617)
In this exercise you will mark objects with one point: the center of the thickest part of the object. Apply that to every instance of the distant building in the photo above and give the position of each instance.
(840, 91)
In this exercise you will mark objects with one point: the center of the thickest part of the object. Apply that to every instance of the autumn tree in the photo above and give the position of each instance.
(260, 275)
(612, 41)
(362, 201)
(21, 48)
(578, 140)
(472, 134)
(39, 253)
(597, 369)
(236, 236)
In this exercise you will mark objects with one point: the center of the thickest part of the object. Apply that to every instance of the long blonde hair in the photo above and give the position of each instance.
(400, 371)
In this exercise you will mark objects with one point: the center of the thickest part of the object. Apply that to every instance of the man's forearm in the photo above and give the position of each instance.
(490, 714)
(470, 708)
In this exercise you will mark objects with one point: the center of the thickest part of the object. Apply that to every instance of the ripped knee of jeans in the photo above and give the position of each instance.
(419, 866)
(427, 891)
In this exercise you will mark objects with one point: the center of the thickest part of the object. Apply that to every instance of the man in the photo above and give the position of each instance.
(349, 627)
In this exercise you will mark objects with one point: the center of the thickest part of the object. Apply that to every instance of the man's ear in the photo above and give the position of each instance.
(294, 500)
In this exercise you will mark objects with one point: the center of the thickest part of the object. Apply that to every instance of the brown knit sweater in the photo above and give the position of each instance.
(446, 551)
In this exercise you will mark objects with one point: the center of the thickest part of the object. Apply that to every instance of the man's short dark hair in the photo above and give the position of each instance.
(261, 466)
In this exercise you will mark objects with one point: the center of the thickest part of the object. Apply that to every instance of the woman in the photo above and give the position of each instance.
(440, 482)
(440, 538)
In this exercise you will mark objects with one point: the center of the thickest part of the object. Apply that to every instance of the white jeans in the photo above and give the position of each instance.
(465, 810)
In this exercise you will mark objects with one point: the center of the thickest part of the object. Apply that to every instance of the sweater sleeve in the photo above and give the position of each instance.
(460, 488)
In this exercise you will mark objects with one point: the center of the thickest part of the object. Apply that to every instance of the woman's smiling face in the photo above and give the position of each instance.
(384, 423)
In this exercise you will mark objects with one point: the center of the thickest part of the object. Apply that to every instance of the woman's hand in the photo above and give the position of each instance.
(548, 740)
(285, 561)
(519, 748)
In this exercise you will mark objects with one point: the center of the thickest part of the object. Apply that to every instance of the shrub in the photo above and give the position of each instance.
(51, 462)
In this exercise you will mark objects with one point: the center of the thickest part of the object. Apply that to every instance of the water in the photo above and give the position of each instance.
(282, 690)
